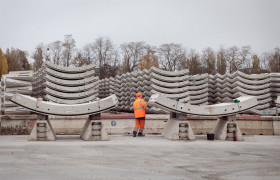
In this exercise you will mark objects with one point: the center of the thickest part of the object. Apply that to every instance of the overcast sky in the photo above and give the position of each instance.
(193, 23)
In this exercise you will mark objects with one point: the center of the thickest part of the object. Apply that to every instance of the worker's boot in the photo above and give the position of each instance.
(141, 134)
(134, 133)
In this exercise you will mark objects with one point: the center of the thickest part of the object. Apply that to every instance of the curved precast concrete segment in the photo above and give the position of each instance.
(250, 77)
(144, 77)
(70, 95)
(264, 101)
(16, 110)
(70, 83)
(172, 96)
(169, 85)
(169, 79)
(169, 73)
(262, 106)
(69, 69)
(184, 100)
(228, 94)
(278, 100)
(199, 87)
(72, 101)
(274, 77)
(218, 76)
(83, 88)
(169, 90)
(199, 92)
(21, 75)
(220, 90)
(50, 108)
(69, 76)
(200, 77)
(22, 90)
(145, 71)
(16, 83)
(198, 82)
(246, 81)
(249, 92)
(217, 94)
(199, 101)
(275, 94)
(222, 109)
(8, 96)
(251, 87)
(200, 96)
(275, 88)
(259, 97)
(9, 104)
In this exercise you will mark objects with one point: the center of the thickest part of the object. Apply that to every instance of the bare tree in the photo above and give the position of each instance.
(274, 61)
(193, 62)
(208, 60)
(84, 56)
(79, 60)
(170, 56)
(264, 61)
(221, 61)
(68, 50)
(38, 57)
(106, 56)
(132, 52)
(55, 49)
(256, 63)
(88, 54)
(148, 61)
(17, 60)
(231, 58)
(245, 56)
(183, 62)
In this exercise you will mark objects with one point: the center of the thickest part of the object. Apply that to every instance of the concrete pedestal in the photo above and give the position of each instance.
(94, 129)
(178, 128)
(226, 128)
(42, 130)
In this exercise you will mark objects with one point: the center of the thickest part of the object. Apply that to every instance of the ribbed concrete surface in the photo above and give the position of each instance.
(65, 85)
(12, 83)
(150, 157)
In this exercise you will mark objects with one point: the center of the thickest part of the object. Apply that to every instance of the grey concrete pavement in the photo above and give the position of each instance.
(150, 157)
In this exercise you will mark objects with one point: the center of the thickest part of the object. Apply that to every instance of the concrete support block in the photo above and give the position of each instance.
(178, 128)
(42, 130)
(94, 129)
(256, 126)
(276, 127)
(225, 127)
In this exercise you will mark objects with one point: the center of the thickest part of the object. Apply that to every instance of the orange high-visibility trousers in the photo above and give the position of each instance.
(139, 125)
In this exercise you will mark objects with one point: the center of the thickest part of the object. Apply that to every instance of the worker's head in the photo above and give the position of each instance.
(139, 95)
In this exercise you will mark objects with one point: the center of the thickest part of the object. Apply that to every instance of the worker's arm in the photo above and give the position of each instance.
(144, 104)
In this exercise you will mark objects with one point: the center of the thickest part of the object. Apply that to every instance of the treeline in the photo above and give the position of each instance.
(111, 60)
(13, 60)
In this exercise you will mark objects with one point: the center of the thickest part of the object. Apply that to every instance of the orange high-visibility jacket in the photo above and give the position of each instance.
(139, 107)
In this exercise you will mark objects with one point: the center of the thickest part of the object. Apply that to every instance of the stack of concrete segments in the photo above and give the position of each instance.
(274, 86)
(230, 86)
(173, 85)
(106, 87)
(65, 85)
(198, 89)
(12, 83)
(130, 85)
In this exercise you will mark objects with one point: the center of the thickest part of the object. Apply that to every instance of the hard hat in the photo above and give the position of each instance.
(138, 94)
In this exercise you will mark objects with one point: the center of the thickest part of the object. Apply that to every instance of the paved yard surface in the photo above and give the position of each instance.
(150, 157)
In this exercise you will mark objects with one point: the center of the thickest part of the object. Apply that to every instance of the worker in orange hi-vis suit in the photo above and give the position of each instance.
(139, 107)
